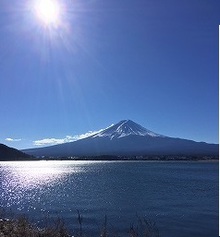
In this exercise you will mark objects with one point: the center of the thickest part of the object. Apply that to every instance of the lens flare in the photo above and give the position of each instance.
(48, 11)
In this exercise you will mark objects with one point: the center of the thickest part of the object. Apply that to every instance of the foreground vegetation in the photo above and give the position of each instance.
(22, 227)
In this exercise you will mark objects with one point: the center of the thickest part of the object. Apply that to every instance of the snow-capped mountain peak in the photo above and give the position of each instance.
(125, 128)
(126, 138)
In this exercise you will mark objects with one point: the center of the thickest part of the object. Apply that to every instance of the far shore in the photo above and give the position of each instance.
(165, 158)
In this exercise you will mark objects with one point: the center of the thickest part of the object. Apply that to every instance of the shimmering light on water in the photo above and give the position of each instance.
(19, 178)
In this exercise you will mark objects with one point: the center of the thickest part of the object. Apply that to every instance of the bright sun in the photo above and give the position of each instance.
(48, 11)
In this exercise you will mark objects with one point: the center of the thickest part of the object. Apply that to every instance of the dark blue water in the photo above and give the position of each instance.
(181, 197)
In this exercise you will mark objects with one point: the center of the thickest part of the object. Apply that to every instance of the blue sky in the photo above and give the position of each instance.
(152, 61)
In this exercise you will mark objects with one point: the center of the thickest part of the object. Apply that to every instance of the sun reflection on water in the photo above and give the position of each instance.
(25, 180)
(38, 172)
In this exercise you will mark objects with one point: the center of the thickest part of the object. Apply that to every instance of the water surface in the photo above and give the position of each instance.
(182, 197)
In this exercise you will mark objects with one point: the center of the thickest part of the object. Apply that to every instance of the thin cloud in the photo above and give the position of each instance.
(68, 138)
(9, 139)
(88, 134)
(49, 141)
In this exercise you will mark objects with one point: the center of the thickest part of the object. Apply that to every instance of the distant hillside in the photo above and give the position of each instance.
(11, 154)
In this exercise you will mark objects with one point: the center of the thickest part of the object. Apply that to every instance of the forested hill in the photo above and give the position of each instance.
(12, 154)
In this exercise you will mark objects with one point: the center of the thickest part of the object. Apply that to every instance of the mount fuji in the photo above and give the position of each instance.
(126, 138)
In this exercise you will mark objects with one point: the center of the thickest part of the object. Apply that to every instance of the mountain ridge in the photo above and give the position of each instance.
(126, 138)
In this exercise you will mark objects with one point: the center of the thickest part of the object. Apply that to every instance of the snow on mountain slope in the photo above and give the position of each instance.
(125, 128)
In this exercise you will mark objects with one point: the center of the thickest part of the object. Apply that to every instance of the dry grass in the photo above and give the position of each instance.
(22, 227)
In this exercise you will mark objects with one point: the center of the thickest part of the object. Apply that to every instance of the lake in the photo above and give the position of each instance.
(181, 197)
